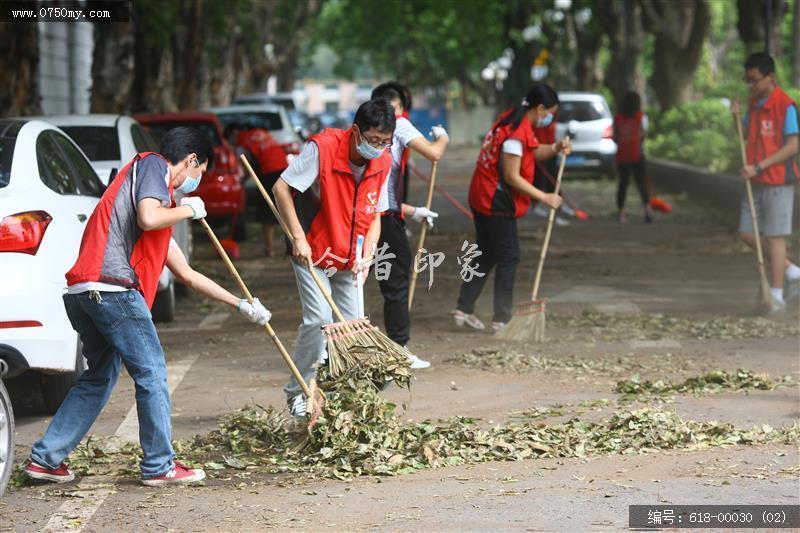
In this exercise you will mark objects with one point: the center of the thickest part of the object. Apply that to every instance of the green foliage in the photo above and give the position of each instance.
(699, 133)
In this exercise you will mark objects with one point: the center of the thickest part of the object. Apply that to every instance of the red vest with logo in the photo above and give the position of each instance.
(345, 210)
(149, 253)
(629, 136)
(489, 194)
(765, 137)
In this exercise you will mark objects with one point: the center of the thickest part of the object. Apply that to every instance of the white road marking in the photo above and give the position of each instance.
(214, 320)
(621, 307)
(662, 343)
(75, 513)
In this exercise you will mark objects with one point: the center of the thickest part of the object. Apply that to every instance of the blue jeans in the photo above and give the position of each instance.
(113, 327)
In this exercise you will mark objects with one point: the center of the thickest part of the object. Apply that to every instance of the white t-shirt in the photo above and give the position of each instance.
(303, 173)
(513, 147)
(404, 133)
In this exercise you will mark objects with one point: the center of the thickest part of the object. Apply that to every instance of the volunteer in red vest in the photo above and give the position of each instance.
(393, 227)
(630, 127)
(332, 192)
(500, 192)
(772, 146)
(126, 243)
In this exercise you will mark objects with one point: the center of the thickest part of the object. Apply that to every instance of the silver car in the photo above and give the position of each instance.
(586, 118)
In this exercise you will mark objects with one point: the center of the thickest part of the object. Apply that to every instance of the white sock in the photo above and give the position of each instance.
(792, 272)
(777, 294)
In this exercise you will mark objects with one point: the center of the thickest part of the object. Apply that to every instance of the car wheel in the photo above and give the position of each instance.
(6, 438)
(55, 387)
(164, 305)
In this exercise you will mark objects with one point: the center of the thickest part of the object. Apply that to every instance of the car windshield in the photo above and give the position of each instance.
(256, 119)
(99, 143)
(209, 128)
(8, 139)
(581, 110)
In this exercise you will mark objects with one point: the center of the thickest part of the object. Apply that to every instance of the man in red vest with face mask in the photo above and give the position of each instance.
(126, 243)
(332, 192)
(771, 124)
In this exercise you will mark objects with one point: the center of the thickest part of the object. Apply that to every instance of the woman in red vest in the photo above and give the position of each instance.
(772, 130)
(126, 243)
(500, 192)
(334, 191)
(630, 127)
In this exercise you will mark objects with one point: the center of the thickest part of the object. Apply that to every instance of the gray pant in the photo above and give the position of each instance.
(310, 345)
(774, 205)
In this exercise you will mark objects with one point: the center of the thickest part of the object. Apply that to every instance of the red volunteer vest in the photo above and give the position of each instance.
(765, 137)
(346, 210)
(489, 194)
(149, 253)
(629, 136)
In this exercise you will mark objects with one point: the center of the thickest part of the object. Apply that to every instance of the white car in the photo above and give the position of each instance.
(110, 141)
(271, 117)
(586, 118)
(48, 190)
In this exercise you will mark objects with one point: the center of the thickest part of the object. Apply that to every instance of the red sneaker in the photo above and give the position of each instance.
(57, 475)
(179, 475)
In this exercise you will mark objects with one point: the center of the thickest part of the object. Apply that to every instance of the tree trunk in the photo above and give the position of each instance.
(587, 41)
(796, 45)
(112, 67)
(19, 69)
(751, 23)
(680, 31)
(626, 44)
(188, 58)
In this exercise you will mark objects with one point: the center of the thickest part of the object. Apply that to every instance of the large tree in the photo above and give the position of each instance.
(622, 22)
(112, 67)
(680, 30)
(752, 23)
(19, 63)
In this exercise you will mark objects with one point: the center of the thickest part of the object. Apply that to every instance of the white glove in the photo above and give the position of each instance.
(423, 213)
(255, 312)
(197, 205)
(438, 131)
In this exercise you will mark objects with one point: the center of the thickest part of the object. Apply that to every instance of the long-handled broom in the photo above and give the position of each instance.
(528, 322)
(422, 234)
(314, 397)
(765, 298)
(353, 345)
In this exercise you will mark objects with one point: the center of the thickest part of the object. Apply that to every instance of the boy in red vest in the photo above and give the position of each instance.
(332, 192)
(772, 147)
(126, 243)
(393, 225)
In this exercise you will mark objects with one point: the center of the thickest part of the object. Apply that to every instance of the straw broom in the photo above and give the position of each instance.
(765, 298)
(352, 344)
(315, 398)
(422, 233)
(528, 322)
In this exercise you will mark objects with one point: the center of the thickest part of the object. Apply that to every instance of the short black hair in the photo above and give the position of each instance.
(391, 90)
(762, 61)
(375, 114)
(631, 104)
(179, 142)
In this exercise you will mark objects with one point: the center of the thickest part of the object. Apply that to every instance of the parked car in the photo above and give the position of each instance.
(221, 189)
(48, 190)
(270, 117)
(110, 141)
(285, 100)
(586, 118)
(6, 433)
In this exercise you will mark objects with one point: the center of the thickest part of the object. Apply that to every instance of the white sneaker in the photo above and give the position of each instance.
(417, 363)
(777, 307)
(497, 326)
(540, 210)
(567, 210)
(472, 321)
(297, 405)
(561, 221)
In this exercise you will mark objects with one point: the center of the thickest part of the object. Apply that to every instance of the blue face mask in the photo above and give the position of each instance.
(190, 184)
(544, 122)
(367, 151)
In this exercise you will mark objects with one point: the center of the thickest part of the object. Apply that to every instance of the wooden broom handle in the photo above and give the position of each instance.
(749, 188)
(422, 234)
(235, 273)
(550, 218)
(279, 218)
